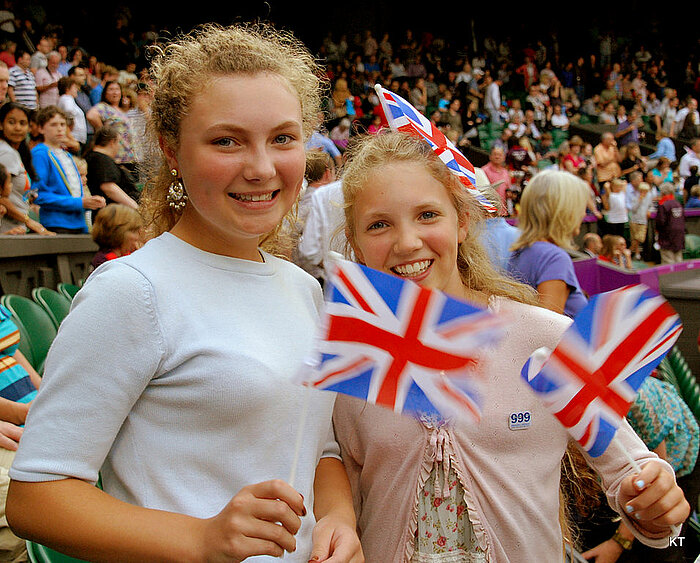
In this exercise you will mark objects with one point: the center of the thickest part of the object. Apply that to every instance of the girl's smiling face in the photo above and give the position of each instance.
(405, 223)
(241, 158)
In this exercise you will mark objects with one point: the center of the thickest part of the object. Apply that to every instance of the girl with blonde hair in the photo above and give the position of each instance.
(442, 491)
(189, 415)
(552, 206)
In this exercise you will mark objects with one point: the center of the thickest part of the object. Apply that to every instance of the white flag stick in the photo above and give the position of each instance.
(300, 435)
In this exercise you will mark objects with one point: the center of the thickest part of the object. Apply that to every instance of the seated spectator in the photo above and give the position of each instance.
(694, 199)
(607, 116)
(615, 251)
(105, 177)
(471, 119)
(592, 244)
(516, 125)
(18, 387)
(559, 119)
(117, 231)
(519, 158)
(609, 95)
(60, 193)
(544, 149)
(531, 130)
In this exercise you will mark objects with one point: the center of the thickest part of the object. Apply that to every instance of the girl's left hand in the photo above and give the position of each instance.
(653, 500)
(335, 541)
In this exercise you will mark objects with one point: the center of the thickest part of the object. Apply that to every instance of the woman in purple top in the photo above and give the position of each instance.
(551, 210)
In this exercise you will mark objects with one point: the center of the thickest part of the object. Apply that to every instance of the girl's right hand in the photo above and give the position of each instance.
(262, 519)
(10, 435)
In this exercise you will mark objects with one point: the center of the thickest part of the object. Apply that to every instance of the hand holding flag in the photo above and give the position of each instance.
(396, 344)
(590, 379)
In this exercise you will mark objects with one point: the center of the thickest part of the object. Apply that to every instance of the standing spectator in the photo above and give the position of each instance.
(4, 82)
(687, 121)
(607, 158)
(690, 158)
(16, 157)
(639, 202)
(664, 148)
(40, 56)
(632, 159)
(68, 89)
(7, 55)
(573, 161)
(665, 119)
(670, 225)
(109, 112)
(61, 198)
(79, 75)
(628, 130)
(496, 171)
(105, 177)
(559, 119)
(22, 85)
(528, 72)
(106, 74)
(64, 64)
(47, 81)
(614, 198)
(419, 96)
(492, 98)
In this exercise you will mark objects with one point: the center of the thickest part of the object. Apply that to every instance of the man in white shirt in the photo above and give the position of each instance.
(690, 158)
(492, 98)
(323, 230)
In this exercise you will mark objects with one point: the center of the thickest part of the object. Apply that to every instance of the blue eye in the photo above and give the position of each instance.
(224, 142)
(377, 225)
(283, 139)
(428, 215)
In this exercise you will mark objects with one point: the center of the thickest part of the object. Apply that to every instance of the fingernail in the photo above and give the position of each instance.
(640, 484)
(303, 511)
(629, 509)
(314, 558)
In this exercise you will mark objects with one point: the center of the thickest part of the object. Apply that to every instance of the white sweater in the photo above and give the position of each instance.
(170, 376)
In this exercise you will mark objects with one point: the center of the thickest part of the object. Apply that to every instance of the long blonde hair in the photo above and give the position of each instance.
(551, 207)
(186, 66)
(475, 268)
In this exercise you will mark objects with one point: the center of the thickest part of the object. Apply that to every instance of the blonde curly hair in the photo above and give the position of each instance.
(186, 66)
(475, 268)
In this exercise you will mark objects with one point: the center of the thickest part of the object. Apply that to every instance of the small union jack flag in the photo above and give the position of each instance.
(593, 375)
(402, 116)
(396, 344)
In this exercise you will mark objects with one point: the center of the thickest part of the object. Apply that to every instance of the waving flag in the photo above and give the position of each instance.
(396, 344)
(402, 116)
(592, 376)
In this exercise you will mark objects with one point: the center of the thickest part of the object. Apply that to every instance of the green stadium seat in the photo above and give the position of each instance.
(68, 289)
(54, 303)
(37, 328)
(40, 554)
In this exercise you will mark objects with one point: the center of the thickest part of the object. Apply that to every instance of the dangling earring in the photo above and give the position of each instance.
(176, 198)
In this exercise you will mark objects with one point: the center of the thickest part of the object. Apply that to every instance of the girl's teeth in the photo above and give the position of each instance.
(253, 197)
(411, 269)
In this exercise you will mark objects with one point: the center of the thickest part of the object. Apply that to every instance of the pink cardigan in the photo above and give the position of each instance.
(511, 477)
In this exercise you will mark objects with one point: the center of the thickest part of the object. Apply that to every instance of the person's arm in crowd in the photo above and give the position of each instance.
(15, 214)
(93, 117)
(115, 193)
(552, 294)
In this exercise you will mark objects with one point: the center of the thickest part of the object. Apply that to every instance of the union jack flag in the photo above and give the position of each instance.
(402, 116)
(593, 375)
(396, 344)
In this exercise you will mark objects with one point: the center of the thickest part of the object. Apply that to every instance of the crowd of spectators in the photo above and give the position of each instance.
(515, 103)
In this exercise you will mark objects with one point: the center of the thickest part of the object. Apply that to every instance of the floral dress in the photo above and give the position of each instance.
(120, 121)
(444, 533)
